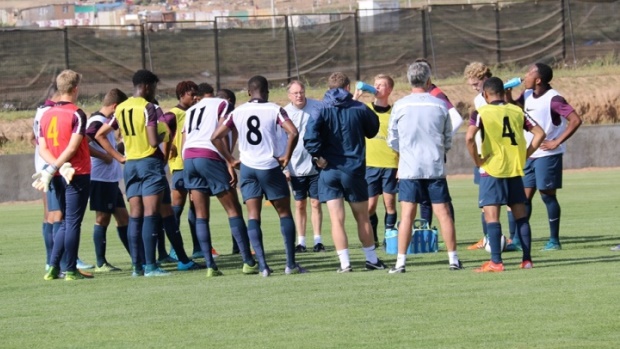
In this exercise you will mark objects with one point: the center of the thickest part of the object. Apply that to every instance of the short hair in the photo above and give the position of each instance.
(258, 83)
(418, 74)
(144, 77)
(477, 70)
(205, 89)
(67, 81)
(295, 82)
(228, 95)
(114, 96)
(545, 72)
(494, 85)
(387, 78)
(184, 86)
(423, 60)
(338, 80)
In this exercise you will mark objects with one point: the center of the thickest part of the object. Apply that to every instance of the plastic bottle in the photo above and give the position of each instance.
(512, 83)
(365, 87)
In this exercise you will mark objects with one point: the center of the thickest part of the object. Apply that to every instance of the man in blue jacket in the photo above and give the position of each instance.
(335, 137)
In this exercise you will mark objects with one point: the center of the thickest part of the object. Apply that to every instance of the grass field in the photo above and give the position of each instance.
(570, 299)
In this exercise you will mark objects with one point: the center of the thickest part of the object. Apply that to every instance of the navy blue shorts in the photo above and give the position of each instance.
(256, 183)
(543, 173)
(52, 199)
(178, 180)
(207, 176)
(336, 184)
(144, 177)
(381, 180)
(418, 191)
(306, 186)
(476, 175)
(501, 191)
(105, 197)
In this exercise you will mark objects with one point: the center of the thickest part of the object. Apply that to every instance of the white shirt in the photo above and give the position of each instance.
(36, 129)
(301, 161)
(201, 120)
(539, 109)
(99, 170)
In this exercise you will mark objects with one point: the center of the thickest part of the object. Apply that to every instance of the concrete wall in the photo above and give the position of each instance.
(591, 146)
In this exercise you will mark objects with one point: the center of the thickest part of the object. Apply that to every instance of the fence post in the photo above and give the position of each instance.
(357, 45)
(497, 34)
(288, 51)
(143, 45)
(66, 40)
(563, 31)
(424, 47)
(217, 55)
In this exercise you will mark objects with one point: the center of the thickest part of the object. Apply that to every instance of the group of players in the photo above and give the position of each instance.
(331, 151)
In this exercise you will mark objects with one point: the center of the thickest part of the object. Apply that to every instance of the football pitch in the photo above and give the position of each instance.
(569, 299)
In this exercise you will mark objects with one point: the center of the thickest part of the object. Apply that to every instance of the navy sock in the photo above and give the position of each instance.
(374, 222)
(525, 236)
(256, 238)
(178, 211)
(494, 235)
(191, 219)
(511, 224)
(426, 212)
(176, 240)
(48, 239)
(235, 245)
(239, 232)
(150, 229)
(134, 234)
(553, 212)
(287, 228)
(204, 238)
(484, 225)
(99, 238)
(122, 234)
(390, 220)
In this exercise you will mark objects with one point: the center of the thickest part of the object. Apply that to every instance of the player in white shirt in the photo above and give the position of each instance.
(261, 169)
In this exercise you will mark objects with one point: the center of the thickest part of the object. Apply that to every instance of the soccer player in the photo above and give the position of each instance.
(381, 160)
(543, 169)
(476, 74)
(336, 139)
(106, 198)
(65, 150)
(300, 172)
(501, 159)
(261, 170)
(208, 174)
(420, 130)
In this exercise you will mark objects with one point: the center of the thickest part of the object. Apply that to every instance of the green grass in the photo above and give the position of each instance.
(568, 301)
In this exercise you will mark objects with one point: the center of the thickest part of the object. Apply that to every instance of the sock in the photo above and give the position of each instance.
(426, 212)
(390, 220)
(317, 239)
(191, 219)
(203, 233)
(371, 254)
(239, 232)
(122, 234)
(150, 230)
(178, 211)
(525, 236)
(511, 224)
(401, 259)
(301, 240)
(48, 239)
(484, 225)
(134, 233)
(256, 238)
(235, 245)
(175, 238)
(553, 212)
(161, 242)
(494, 236)
(343, 255)
(453, 257)
(99, 238)
(287, 228)
(374, 222)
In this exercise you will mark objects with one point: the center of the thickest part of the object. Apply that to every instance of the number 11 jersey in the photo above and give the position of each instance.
(133, 116)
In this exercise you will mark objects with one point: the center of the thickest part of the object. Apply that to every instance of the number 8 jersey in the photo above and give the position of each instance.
(133, 116)
(257, 122)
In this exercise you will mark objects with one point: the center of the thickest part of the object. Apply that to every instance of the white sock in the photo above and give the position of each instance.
(301, 240)
(317, 239)
(343, 255)
(371, 254)
(453, 257)
(400, 260)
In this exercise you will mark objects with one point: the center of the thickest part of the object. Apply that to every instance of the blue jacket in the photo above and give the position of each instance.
(338, 131)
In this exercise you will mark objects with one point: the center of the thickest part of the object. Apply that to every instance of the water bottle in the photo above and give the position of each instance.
(365, 87)
(512, 83)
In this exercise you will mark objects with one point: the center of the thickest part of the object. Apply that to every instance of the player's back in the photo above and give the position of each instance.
(201, 120)
(133, 116)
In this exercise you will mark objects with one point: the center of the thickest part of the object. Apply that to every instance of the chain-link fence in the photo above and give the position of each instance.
(229, 50)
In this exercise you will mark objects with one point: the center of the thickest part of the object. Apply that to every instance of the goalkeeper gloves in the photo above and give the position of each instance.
(43, 178)
(67, 171)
